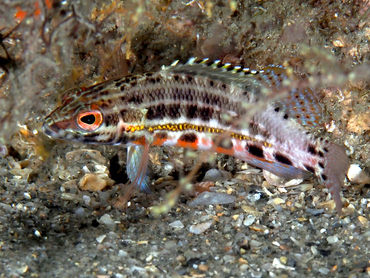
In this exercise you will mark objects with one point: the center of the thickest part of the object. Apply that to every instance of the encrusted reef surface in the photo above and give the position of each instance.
(57, 214)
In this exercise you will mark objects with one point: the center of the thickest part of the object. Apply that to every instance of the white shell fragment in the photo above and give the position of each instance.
(200, 228)
(107, 220)
(332, 239)
(357, 175)
(176, 224)
(100, 238)
(249, 220)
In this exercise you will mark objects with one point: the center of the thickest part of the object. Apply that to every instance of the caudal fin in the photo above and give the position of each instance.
(336, 167)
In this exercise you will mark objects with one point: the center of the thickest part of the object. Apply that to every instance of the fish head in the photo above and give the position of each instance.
(91, 116)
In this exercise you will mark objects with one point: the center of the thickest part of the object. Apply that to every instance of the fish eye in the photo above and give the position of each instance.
(89, 120)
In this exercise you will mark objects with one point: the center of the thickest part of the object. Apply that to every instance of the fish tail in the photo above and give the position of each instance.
(335, 170)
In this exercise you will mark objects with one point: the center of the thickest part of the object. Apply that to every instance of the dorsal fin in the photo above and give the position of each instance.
(301, 103)
(304, 106)
(214, 70)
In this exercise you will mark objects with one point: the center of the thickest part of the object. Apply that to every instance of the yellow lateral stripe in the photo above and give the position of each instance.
(182, 127)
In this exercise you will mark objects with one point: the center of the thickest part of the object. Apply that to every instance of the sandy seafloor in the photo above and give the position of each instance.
(51, 227)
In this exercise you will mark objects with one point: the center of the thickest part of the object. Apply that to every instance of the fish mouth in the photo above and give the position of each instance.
(52, 130)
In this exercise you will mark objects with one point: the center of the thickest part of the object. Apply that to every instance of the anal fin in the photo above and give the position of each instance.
(277, 168)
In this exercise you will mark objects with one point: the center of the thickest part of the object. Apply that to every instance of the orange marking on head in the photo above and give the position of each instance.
(49, 4)
(37, 12)
(20, 14)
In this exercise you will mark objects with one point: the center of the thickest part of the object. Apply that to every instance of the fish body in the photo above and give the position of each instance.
(257, 116)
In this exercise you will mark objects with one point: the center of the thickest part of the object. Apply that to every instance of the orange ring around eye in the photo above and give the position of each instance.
(90, 120)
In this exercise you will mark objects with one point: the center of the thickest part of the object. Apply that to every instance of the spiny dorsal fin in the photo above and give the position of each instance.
(216, 70)
(301, 103)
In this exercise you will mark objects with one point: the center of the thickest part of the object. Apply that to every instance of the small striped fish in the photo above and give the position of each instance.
(252, 115)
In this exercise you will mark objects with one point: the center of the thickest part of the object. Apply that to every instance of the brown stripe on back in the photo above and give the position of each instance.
(204, 113)
(157, 112)
(176, 110)
(182, 89)
(173, 110)
(188, 137)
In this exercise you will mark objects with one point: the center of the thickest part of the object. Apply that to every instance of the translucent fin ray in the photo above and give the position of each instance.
(137, 168)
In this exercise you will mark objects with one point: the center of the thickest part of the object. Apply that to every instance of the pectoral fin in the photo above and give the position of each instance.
(137, 167)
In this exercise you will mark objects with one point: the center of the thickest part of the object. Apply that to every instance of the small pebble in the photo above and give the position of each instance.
(363, 221)
(86, 199)
(273, 179)
(293, 182)
(276, 263)
(306, 186)
(249, 220)
(283, 260)
(255, 243)
(176, 225)
(94, 182)
(255, 274)
(314, 250)
(80, 212)
(229, 258)
(107, 220)
(92, 155)
(203, 267)
(324, 270)
(315, 211)
(332, 239)
(200, 228)
(276, 201)
(213, 175)
(170, 245)
(252, 211)
(253, 197)
(22, 270)
(3, 150)
(180, 259)
(100, 238)
(27, 196)
(212, 198)
(122, 253)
